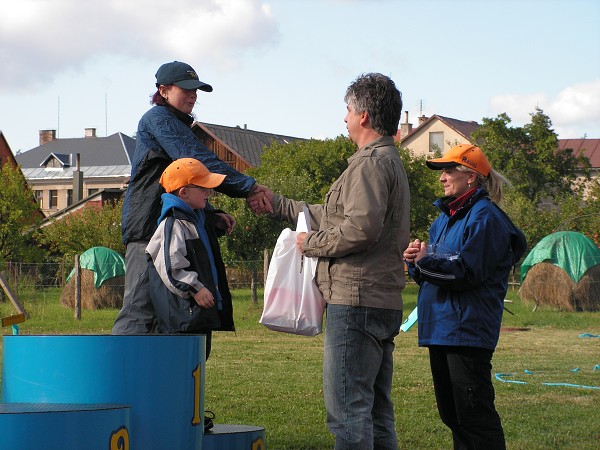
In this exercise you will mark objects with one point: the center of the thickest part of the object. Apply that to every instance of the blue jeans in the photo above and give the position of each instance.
(357, 376)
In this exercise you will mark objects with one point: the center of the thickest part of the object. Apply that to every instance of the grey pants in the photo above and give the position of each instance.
(137, 315)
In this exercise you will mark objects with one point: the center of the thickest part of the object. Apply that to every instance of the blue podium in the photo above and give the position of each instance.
(140, 392)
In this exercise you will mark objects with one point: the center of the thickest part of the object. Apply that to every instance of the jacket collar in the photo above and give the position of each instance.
(443, 203)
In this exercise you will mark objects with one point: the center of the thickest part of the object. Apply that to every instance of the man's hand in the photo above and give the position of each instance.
(300, 238)
(259, 199)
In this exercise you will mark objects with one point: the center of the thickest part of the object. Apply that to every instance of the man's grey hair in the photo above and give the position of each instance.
(378, 96)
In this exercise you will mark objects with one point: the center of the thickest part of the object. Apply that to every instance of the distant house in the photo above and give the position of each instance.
(588, 147)
(65, 174)
(239, 147)
(62, 172)
(435, 133)
(7, 157)
(442, 133)
(6, 154)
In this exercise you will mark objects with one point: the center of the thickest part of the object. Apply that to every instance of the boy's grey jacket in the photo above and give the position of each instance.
(179, 266)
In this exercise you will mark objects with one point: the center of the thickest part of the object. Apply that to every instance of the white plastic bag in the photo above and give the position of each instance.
(292, 301)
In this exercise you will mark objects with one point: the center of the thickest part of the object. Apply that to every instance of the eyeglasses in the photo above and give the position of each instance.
(193, 186)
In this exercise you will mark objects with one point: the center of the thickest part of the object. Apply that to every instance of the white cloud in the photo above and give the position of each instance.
(41, 39)
(574, 110)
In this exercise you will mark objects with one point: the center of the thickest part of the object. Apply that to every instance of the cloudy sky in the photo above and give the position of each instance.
(282, 66)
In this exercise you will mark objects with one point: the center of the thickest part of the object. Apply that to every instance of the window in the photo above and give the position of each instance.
(39, 197)
(92, 191)
(69, 197)
(52, 199)
(436, 141)
(54, 164)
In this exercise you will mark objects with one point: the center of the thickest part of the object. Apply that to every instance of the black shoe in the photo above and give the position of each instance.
(208, 420)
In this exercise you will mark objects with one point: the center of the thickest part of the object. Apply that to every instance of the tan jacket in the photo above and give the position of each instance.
(363, 228)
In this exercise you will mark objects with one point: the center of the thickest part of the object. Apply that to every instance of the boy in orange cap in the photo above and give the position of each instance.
(187, 275)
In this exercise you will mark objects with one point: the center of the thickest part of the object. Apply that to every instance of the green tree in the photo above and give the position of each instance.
(302, 170)
(529, 156)
(18, 217)
(91, 226)
(424, 189)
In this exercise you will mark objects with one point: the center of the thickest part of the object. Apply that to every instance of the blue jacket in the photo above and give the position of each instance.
(164, 135)
(464, 283)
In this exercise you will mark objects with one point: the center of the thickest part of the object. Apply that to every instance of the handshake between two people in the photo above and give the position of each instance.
(259, 199)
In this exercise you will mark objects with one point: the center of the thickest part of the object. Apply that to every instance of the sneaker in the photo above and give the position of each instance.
(208, 420)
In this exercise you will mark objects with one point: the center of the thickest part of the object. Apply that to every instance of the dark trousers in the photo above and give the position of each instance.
(462, 380)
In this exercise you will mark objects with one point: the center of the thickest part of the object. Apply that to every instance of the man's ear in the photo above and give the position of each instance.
(364, 118)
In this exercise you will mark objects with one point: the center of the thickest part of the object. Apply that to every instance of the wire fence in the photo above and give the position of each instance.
(35, 276)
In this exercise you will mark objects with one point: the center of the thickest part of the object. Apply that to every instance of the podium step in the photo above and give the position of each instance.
(234, 437)
(56, 426)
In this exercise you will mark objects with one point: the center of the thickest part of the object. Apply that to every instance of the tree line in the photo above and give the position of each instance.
(551, 191)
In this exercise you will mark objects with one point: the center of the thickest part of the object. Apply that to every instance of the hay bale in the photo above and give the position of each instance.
(109, 295)
(547, 284)
(586, 293)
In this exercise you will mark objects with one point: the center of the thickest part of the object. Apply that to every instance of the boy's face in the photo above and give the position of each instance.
(195, 196)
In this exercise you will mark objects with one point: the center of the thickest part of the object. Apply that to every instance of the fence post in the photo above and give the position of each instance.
(77, 288)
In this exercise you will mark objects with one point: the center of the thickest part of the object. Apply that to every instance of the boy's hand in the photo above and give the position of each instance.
(226, 222)
(204, 298)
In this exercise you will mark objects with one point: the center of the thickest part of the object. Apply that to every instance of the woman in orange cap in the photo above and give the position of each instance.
(463, 277)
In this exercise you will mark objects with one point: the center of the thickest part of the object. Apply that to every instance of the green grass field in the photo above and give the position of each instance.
(260, 377)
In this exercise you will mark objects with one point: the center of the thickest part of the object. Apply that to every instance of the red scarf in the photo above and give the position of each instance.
(459, 202)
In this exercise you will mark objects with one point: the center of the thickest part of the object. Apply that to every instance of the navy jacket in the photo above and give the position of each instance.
(463, 285)
(164, 135)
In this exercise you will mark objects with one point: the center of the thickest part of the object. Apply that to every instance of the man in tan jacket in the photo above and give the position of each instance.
(362, 230)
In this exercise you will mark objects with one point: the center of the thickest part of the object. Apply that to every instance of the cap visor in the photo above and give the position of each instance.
(437, 165)
(210, 181)
(194, 84)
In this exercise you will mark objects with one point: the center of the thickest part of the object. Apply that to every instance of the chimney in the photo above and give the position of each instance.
(77, 179)
(90, 132)
(423, 119)
(405, 128)
(47, 136)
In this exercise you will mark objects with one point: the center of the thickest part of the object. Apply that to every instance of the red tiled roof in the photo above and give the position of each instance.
(589, 147)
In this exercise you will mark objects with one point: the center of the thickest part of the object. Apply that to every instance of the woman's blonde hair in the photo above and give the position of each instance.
(494, 183)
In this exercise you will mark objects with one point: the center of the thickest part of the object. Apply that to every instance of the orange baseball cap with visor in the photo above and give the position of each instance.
(189, 171)
(465, 155)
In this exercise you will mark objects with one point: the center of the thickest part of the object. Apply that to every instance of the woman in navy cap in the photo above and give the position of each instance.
(164, 134)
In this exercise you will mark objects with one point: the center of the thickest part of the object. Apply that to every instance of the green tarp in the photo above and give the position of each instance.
(571, 251)
(104, 262)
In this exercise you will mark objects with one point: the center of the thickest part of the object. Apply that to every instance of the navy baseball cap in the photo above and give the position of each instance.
(182, 75)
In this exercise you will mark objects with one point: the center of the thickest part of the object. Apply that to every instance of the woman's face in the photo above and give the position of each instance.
(181, 99)
(456, 182)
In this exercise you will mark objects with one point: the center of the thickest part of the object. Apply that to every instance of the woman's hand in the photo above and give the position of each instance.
(415, 251)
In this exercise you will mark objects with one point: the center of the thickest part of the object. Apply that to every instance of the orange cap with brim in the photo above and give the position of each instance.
(185, 171)
(465, 155)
